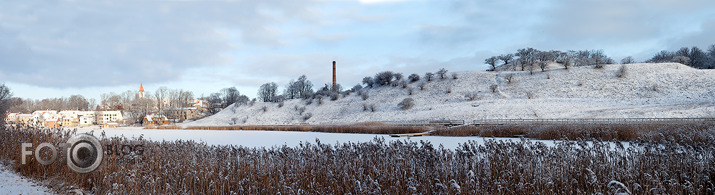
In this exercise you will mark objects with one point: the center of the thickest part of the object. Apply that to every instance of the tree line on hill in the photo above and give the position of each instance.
(526, 58)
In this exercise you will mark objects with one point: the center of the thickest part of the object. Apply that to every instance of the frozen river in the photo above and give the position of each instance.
(276, 138)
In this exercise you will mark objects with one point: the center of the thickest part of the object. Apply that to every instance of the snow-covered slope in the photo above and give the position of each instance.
(647, 91)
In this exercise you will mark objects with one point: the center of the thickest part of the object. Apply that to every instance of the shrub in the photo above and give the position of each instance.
(333, 96)
(364, 95)
(264, 108)
(410, 91)
(449, 90)
(530, 95)
(599, 66)
(371, 107)
(307, 116)
(320, 100)
(454, 75)
(280, 104)
(406, 103)
(398, 76)
(494, 88)
(423, 86)
(357, 88)
(471, 96)
(509, 77)
(622, 72)
(413, 78)
(300, 110)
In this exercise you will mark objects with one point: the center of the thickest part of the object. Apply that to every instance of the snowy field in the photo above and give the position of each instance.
(664, 90)
(12, 183)
(278, 138)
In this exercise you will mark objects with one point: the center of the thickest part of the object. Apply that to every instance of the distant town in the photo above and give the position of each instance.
(139, 111)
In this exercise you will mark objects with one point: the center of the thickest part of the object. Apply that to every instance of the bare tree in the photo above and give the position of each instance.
(627, 60)
(442, 73)
(543, 65)
(509, 77)
(5, 96)
(267, 92)
(492, 61)
(429, 76)
(506, 58)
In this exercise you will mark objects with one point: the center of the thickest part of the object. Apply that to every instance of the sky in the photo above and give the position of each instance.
(52, 48)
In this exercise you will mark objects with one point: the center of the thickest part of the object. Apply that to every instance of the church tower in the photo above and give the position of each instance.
(141, 90)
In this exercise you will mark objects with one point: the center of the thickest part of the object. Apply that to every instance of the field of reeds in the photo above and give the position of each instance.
(654, 164)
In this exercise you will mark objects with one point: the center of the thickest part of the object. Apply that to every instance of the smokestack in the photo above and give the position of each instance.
(334, 83)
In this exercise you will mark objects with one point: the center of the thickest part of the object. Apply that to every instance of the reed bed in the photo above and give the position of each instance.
(620, 132)
(653, 164)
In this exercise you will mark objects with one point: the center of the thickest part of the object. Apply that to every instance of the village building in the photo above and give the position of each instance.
(153, 119)
(109, 117)
(52, 122)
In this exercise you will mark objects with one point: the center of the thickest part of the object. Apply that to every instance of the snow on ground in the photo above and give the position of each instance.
(279, 138)
(665, 90)
(12, 183)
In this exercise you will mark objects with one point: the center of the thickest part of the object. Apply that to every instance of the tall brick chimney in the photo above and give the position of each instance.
(334, 83)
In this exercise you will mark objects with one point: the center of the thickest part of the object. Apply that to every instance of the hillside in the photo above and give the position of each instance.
(647, 91)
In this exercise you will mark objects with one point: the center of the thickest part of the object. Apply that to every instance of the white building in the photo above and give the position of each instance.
(86, 119)
(109, 116)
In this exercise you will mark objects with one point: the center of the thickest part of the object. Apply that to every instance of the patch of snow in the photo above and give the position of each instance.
(12, 183)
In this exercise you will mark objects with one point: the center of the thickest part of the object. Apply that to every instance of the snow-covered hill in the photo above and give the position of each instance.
(647, 91)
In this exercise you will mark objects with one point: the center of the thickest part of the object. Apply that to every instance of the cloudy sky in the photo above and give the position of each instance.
(52, 48)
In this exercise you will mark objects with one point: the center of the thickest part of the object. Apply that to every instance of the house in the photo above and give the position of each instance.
(70, 121)
(11, 118)
(86, 119)
(52, 122)
(109, 117)
(153, 119)
(181, 114)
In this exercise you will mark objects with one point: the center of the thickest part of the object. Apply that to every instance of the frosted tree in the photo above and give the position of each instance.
(267, 92)
(492, 61)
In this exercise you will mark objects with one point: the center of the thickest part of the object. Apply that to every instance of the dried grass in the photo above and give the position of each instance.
(661, 164)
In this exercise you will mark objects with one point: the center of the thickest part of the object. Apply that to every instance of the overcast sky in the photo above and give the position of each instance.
(58, 48)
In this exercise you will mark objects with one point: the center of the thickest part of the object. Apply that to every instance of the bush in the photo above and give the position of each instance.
(454, 75)
(509, 77)
(333, 96)
(264, 108)
(530, 95)
(410, 91)
(622, 72)
(494, 88)
(364, 95)
(449, 90)
(280, 104)
(413, 78)
(471, 96)
(406, 103)
(307, 116)
(423, 86)
(383, 78)
(599, 66)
